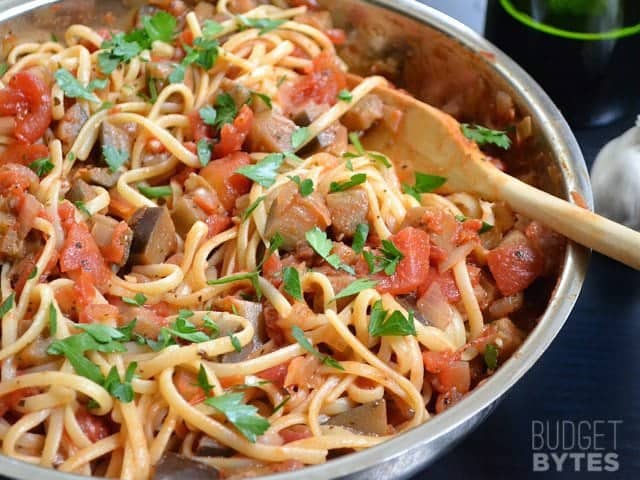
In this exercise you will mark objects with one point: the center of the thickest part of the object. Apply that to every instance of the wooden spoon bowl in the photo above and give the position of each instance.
(431, 141)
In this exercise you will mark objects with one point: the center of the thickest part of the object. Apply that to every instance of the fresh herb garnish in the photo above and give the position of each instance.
(360, 237)
(356, 287)
(184, 329)
(252, 207)
(291, 282)
(72, 88)
(355, 180)
(235, 343)
(299, 137)
(491, 356)
(424, 184)
(281, 404)
(42, 166)
(387, 262)
(251, 276)
(113, 157)
(53, 320)
(244, 417)
(323, 246)
(204, 152)
(345, 95)
(117, 50)
(137, 300)
(305, 187)
(396, 324)
(361, 152)
(266, 99)
(211, 325)
(211, 28)
(265, 171)
(155, 192)
(80, 205)
(208, 114)
(3, 68)
(203, 381)
(265, 25)
(226, 109)
(122, 390)
(485, 136)
(7, 305)
(299, 336)
(485, 227)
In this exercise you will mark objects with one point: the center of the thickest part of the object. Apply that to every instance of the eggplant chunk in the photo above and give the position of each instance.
(69, 126)
(348, 209)
(367, 419)
(271, 132)
(154, 235)
(116, 136)
(252, 311)
(173, 465)
(101, 176)
(364, 113)
(208, 447)
(80, 191)
(103, 231)
(184, 214)
(292, 215)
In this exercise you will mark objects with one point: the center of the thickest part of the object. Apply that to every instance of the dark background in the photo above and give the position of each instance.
(588, 373)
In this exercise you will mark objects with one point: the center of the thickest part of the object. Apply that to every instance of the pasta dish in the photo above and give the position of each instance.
(203, 269)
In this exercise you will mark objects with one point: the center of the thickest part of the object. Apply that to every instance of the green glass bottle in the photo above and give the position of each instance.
(584, 53)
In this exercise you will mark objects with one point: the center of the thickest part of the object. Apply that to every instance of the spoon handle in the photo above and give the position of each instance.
(576, 223)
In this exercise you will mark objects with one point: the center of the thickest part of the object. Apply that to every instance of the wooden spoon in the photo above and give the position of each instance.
(430, 141)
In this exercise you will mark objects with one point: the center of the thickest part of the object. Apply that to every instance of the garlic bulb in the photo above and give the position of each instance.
(615, 177)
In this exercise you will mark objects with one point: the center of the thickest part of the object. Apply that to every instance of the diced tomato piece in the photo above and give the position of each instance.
(275, 374)
(310, 4)
(84, 289)
(514, 266)
(162, 308)
(233, 135)
(118, 206)
(272, 268)
(321, 85)
(33, 114)
(80, 253)
(445, 281)
(221, 175)
(187, 385)
(207, 201)
(457, 375)
(413, 269)
(11, 101)
(115, 251)
(23, 153)
(94, 427)
(25, 267)
(295, 432)
(13, 399)
(16, 178)
(186, 37)
(99, 313)
(199, 129)
(217, 223)
(436, 362)
(271, 325)
(336, 35)
(227, 382)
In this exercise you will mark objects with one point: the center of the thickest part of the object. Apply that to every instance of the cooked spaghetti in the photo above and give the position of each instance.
(202, 263)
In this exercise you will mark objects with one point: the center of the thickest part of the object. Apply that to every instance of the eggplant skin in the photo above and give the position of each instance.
(154, 235)
(172, 466)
